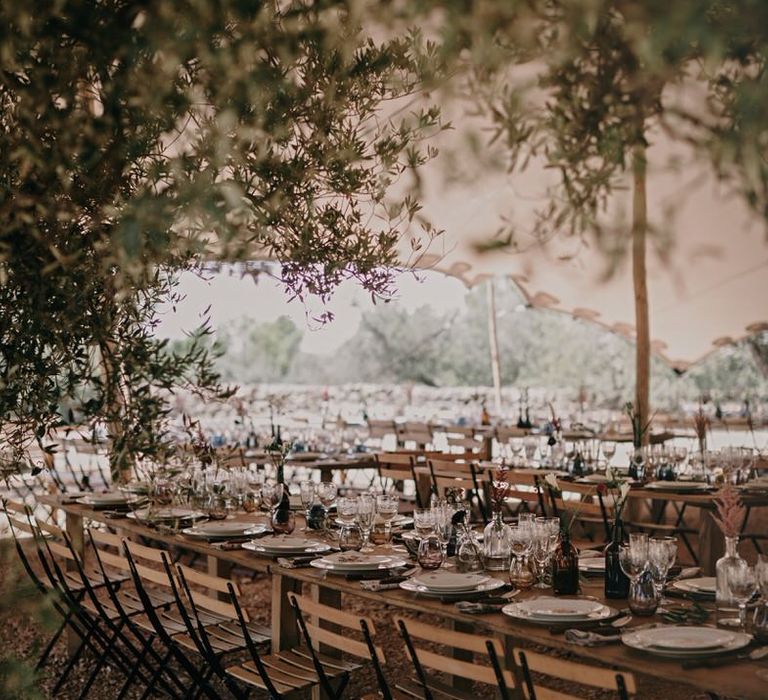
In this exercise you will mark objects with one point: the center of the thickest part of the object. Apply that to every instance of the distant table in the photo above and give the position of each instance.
(328, 465)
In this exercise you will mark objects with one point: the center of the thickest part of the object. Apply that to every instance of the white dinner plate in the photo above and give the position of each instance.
(166, 514)
(338, 563)
(114, 498)
(706, 585)
(678, 486)
(448, 582)
(547, 610)
(490, 585)
(224, 529)
(648, 640)
(592, 564)
(313, 548)
(689, 638)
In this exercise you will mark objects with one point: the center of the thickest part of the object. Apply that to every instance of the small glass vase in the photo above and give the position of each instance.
(643, 595)
(469, 555)
(497, 548)
(730, 559)
(637, 464)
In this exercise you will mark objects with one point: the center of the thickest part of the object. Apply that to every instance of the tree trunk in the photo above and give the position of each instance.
(493, 341)
(639, 277)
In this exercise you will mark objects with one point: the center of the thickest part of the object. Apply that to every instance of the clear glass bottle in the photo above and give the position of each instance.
(469, 555)
(731, 558)
(497, 547)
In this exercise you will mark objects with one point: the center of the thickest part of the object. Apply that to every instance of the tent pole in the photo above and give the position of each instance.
(493, 342)
(639, 276)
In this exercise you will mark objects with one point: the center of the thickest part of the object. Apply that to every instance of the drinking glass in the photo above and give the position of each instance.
(366, 512)
(761, 573)
(633, 561)
(430, 554)
(423, 521)
(283, 522)
(530, 445)
(609, 449)
(520, 544)
(307, 494)
(350, 537)
(742, 584)
(387, 507)
(441, 516)
(346, 510)
(661, 556)
(326, 492)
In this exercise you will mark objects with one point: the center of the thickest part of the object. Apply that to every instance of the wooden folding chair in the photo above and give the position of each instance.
(416, 433)
(396, 469)
(525, 494)
(481, 648)
(205, 603)
(378, 430)
(451, 474)
(529, 662)
(594, 517)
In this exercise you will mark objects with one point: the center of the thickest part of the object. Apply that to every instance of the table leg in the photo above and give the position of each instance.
(457, 681)
(711, 543)
(221, 569)
(285, 633)
(76, 533)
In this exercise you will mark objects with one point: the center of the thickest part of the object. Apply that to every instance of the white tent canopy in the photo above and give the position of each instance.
(707, 253)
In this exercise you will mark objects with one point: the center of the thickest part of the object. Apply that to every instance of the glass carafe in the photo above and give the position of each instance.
(730, 559)
(497, 548)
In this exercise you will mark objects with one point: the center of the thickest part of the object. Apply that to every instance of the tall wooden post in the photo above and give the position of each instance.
(493, 341)
(639, 277)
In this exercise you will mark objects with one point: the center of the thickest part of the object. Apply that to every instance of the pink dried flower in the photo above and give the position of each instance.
(500, 488)
(730, 510)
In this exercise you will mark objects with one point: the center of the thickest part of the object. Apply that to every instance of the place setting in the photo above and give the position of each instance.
(225, 530)
(110, 499)
(286, 546)
(451, 587)
(685, 642)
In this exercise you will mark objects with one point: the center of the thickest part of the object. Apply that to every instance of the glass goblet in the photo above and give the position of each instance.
(423, 521)
(307, 495)
(742, 583)
(366, 512)
(387, 508)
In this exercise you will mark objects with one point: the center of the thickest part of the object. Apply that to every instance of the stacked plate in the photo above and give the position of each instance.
(357, 562)
(286, 546)
(706, 585)
(446, 583)
(110, 499)
(685, 642)
(592, 565)
(548, 610)
(223, 530)
(165, 515)
(678, 486)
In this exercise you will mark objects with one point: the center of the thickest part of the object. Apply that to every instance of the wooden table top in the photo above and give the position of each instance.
(736, 679)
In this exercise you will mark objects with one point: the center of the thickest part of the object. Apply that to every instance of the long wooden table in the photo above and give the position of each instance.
(738, 679)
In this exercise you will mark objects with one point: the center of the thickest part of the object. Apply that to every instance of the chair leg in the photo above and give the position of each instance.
(97, 668)
(70, 665)
(132, 675)
(155, 676)
(52, 643)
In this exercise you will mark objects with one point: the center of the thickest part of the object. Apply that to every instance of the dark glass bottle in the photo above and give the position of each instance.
(616, 581)
(565, 566)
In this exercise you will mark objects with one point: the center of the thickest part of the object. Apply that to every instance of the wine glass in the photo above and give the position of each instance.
(633, 561)
(366, 512)
(761, 572)
(609, 449)
(660, 560)
(520, 545)
(307, 494)
(326, 492)
(387, 507)
(742, 582)
(442, 515)
(430, 554)
(423, 521)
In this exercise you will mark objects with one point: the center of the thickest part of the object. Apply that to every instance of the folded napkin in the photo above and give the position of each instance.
(295, 562)
(386, 584)
(466, 606)
(229, 545)
(584, 638)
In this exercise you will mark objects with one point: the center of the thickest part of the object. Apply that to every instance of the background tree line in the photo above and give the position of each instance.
(538, 349)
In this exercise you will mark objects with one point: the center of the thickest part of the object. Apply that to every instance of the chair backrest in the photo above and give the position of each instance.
(531, 662)
(585, 509)
(209, 593)
(108, 547)
(141, 558)
(526, 491)
(416, 432)
(504, 433)
(398, 467)
(378, 429)
(481, 648)
(450, 474)
(326, 628)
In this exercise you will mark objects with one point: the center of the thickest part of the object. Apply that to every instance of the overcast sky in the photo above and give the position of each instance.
(231, 297)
